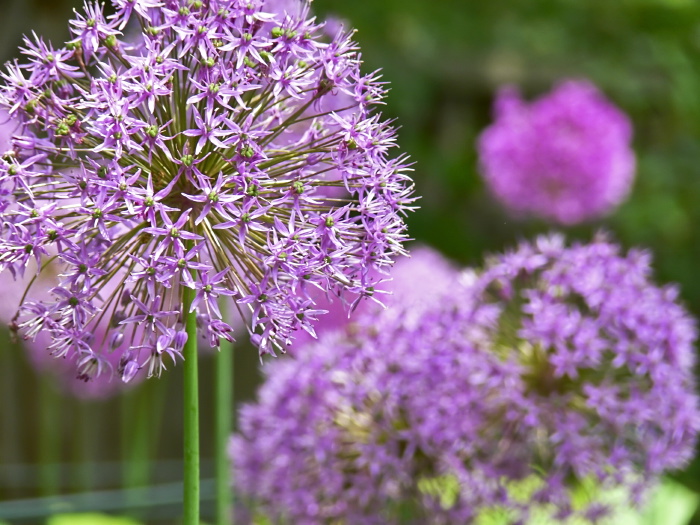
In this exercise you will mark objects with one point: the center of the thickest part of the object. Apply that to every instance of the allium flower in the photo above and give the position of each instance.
(200, 153)
(361, 425)
(565, 157)
(556, 370)
(606, 362)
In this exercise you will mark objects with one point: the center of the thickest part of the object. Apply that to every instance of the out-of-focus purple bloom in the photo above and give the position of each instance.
(554, 369)
(414, 284)
(177, 158)
(565, 157)
(7, 128)
(606, 362)
(64, 372)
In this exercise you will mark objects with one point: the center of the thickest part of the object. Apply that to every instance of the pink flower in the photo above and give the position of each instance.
(565, 157)
(415, 283)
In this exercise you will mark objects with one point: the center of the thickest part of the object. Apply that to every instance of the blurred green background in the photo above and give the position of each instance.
(444, 60)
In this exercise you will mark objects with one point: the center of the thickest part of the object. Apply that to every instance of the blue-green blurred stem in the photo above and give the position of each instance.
(191, 415)
(224, 414)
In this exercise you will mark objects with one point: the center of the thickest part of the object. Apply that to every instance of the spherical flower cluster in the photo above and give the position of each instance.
(206, 151)
(606, 362)
(555, 370)
(566, 157)
(364, 420)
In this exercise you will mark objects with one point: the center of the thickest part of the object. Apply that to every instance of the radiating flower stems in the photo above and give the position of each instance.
(224, 412)
(249, 134)
(191, 414)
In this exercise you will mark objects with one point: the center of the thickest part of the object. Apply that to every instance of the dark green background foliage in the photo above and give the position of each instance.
(444, 60)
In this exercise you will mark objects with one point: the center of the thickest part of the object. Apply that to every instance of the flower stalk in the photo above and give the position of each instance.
(224, 406)
(191, 415)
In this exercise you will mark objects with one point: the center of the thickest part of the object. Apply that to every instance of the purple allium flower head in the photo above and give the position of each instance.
(203, 152)
(606, 358)
(565, 157)
(364, 422)
(556, 369)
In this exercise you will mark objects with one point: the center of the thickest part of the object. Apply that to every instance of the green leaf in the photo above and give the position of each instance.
(90, 519)
(261, 519)
(672, 504)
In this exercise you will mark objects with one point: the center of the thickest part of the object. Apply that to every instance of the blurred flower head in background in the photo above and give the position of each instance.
(352, 426)
(205, 152)
(413, 284)
(566, 157)
(61, 372)
(555, 371)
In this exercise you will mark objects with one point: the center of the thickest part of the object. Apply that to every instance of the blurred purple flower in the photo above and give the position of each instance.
(191, 148)
(565, 157)
(606, 359)
(363, 422)
(414, 284)
(37, 348)
(554, 369)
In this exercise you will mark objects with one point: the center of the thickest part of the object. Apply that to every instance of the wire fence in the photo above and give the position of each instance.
(160, 501)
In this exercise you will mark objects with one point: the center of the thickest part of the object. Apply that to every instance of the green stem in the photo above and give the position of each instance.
(224, 412)
(191, 415)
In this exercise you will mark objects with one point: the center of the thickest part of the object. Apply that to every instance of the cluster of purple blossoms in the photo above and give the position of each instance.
(605, 358)
(206, 150)
(566, 157)
(556, 369)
